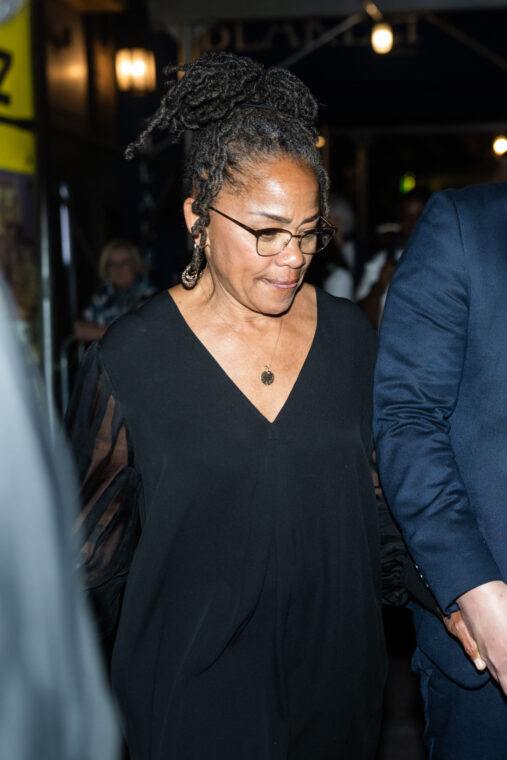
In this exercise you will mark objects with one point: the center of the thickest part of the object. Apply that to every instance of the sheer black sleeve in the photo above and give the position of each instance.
(400, 579)
(110, 488)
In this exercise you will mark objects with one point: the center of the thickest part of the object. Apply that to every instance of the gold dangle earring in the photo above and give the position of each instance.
(190, 275)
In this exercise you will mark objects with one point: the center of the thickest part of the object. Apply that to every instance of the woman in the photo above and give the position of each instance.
(223, 431)
(123, 288)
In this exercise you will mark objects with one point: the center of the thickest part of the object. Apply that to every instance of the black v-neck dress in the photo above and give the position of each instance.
(243, 554)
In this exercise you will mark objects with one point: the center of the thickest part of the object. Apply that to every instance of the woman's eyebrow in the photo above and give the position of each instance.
(283, 219)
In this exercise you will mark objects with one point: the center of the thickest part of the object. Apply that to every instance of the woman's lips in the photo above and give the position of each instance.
(283, 284)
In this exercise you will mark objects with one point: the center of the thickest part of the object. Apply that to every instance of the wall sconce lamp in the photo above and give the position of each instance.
(135, 70)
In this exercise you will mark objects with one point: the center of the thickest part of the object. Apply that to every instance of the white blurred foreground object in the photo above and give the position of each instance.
(53, 698)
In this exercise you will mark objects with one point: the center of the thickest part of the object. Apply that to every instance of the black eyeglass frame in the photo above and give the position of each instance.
(258, 233)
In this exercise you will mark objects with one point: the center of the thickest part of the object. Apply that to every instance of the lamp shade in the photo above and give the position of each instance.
(135, 70)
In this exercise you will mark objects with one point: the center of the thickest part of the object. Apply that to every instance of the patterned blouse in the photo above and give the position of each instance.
(108, 303)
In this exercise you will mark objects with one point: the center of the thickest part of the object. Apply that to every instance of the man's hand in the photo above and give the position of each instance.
(456, 627)
(484, 611)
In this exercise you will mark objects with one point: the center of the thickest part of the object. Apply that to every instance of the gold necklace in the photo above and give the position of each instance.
(267, 375)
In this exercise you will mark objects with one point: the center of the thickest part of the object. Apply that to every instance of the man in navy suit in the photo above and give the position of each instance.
(441, 438)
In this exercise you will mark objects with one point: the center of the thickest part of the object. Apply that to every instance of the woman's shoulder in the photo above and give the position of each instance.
(343, 311)
(139, 330)
(346, 328)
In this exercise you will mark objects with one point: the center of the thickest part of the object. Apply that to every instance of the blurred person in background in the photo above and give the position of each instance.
(18, 264)
(372, 289)
(54, 703)
(123, 288)
(339, 270)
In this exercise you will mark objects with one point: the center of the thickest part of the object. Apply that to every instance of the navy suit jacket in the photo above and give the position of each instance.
(441, 404)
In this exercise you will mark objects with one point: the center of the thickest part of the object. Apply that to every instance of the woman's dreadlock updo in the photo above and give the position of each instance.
(240, 112)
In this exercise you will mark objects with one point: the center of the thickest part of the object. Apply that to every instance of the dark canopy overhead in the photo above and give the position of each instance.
(163, 11)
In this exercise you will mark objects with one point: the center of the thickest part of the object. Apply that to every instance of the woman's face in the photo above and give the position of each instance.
(279, 193)
(120, 269)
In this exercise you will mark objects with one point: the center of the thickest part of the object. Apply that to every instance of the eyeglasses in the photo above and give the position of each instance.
(273, 240)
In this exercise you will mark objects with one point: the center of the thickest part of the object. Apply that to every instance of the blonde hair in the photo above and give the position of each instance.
(114, 245)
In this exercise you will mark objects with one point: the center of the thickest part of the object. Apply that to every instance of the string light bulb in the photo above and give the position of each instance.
(500, 145)
(382, 38)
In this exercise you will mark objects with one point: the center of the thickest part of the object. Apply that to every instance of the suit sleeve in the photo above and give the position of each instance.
(422, 348)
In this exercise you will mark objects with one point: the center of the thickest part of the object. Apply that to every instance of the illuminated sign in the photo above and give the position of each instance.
(16, 89)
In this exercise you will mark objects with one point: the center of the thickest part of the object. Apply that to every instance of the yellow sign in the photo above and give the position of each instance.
(16, 89)
(17, 149)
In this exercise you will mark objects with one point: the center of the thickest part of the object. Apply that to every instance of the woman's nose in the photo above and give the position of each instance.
(291, 255)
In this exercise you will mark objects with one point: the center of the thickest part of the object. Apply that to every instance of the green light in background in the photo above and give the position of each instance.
(407, 183)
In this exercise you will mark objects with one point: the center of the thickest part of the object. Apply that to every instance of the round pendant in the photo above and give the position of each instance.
(267, 377)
